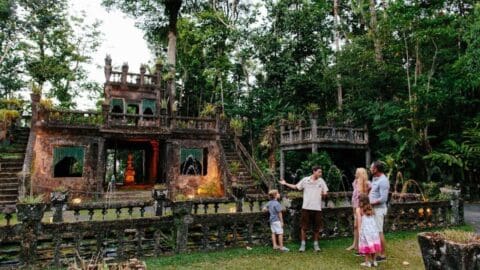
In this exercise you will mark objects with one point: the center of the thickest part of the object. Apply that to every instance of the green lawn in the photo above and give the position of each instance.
(401, 247)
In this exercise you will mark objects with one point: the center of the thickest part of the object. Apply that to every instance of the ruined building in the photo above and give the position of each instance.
(137, 140)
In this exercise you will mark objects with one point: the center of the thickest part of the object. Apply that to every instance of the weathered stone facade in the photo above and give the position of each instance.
(43, 179)
(210, 185)
(134, 117)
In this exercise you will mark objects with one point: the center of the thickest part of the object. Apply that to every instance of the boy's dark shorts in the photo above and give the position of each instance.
(311, 216)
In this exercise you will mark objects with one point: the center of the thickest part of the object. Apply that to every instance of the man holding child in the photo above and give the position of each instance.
(314, 187)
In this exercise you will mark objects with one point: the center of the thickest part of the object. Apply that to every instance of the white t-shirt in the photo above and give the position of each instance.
(312, 192)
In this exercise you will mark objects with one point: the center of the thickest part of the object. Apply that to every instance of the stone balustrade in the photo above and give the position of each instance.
(324, 134)
(70, 118)
(187, 228)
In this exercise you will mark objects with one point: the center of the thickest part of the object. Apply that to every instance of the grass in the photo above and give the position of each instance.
(401, 247)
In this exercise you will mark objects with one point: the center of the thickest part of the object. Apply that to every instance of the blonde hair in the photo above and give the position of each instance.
(362, 180)
(272, 194)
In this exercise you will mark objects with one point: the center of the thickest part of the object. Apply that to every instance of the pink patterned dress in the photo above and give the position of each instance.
(356, 192)
(369, 240)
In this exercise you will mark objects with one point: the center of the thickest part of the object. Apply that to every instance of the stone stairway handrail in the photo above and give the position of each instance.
(251, 164)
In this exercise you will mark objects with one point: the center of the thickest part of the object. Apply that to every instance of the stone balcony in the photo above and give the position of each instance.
(132, 123)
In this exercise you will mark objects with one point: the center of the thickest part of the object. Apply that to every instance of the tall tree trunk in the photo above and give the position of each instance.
(409, 86)
(374, 32)
(337, 50)
(172, 7)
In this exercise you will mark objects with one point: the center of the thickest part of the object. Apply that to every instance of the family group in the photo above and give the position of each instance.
(369, 201)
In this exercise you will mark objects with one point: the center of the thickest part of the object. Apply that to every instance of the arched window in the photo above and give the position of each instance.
(116, 105)
(68, 161)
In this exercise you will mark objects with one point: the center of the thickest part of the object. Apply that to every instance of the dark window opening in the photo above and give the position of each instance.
(193, 161)
(117, 109)
(148, 111)
(116, 105)
(68, 161)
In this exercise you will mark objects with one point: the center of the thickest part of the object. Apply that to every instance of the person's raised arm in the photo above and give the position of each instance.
(283, 182)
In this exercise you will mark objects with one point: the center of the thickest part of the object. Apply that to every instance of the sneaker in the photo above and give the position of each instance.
(375, 263)
(366, 264)
(284, 249)
(302, 248)
(381, 258)
(316, 248)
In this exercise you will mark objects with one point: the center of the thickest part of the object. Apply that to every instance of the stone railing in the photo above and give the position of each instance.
(136, 120)
(134, 79)
(113, 210)
(197, 123)
(70, 119)
(187, 228)
(324, 135)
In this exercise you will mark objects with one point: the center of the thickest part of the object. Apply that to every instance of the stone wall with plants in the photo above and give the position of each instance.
(103, 231)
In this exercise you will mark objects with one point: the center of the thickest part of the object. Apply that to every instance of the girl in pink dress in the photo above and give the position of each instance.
(369, 239)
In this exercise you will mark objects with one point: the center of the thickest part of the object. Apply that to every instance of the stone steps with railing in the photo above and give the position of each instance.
(11, 163)
(242, 175)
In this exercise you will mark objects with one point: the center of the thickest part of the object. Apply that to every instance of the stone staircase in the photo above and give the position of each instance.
(243, 176)
(11, 163)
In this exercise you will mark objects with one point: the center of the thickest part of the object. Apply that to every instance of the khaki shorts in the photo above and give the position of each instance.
(311, 216)
(380, 213)
(276, 227)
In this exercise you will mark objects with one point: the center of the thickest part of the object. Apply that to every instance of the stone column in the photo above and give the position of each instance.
(143, 69)
(368, 158)
(182, 219)
(58, 201)
(123, 78)
(154, 162)
(282, 164)
(107, 69)
(101, 158)
(314, 131)
(172, 165)
(105, 111)
(457, 206)
(30, 216)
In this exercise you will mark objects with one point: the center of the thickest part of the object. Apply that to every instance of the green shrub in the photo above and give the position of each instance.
(333, 177)
(208, 110)
(234, 167)
(237, 125)
(431, 190)
(321, 159)
(32, 199)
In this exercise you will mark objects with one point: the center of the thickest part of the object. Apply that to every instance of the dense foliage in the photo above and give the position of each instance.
(408, 70)
(41, 42)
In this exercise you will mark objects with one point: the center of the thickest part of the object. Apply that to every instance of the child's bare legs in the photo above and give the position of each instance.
(368, 258)
(274, 241)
